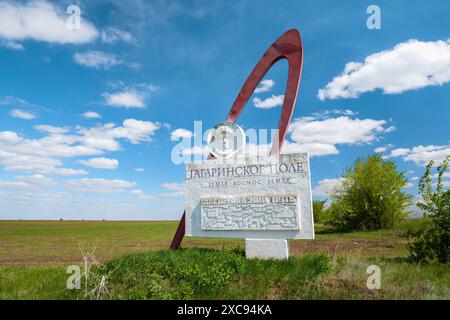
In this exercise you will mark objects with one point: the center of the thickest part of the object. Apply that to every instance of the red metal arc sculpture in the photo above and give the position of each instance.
(288, 46)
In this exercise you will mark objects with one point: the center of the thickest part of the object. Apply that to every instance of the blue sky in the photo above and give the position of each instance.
(89, 116)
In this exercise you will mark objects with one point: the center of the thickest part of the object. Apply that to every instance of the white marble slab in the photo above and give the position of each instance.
(266, 249)
(277, 190)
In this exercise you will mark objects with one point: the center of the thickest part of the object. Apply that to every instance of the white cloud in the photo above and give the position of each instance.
(398, 152)
(70, 172)
(97, 59)
(17, 113)
(408, 185)
(139, 169)
(39, 164)
(341, 130)
(130, 96)
(43, 155)
(390, 129)
(114, 34)
(264, 86)
(20, 186)
(51, 129)
(104, 137)
(345, 112)
(41, 21)
(22, 105)
(272, 102)
(200, 151)
(422, 155)
(136, 130)
(386, 147)
(315, 149)
(91, 115)
(134, 65)
(327, 113)
(100, 163)
(446, 184)
(10, 100)
(172, 194)
(326, 186)
(9, 137)
(180, 133)
(36, 179)
(142, 195)
(174, 186)
(98, 185)
(380, 149)
(14, 45)
(125, 99)
(444, 175)
(176, 189)
(408, 66)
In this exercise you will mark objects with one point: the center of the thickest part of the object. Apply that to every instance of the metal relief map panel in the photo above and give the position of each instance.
(253, 212)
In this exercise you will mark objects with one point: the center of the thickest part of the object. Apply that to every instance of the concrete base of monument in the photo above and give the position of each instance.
(266, 248)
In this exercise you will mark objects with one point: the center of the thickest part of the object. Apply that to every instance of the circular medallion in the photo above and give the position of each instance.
(226, 139)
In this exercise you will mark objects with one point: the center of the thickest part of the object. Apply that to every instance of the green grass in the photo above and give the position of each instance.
(22, 282)
(208, 274)
(61, 242)
(183, 274)
(134, 258)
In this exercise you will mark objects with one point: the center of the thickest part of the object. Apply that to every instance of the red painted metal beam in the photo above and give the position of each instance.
(179, 234)
(288, 46)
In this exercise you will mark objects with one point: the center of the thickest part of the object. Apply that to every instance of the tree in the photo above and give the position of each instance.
(370, 196)
(432, 238)
(319, 211)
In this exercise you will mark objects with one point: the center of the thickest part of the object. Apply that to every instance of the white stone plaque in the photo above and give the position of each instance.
(266, 248)
(260, 198)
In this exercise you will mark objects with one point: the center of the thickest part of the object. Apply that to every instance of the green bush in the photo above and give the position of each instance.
(370, 196)
(431, 239)
(207, 273)
(319, 211)
(173, 274)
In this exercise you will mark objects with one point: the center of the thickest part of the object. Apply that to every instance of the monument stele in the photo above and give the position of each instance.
(264, 199)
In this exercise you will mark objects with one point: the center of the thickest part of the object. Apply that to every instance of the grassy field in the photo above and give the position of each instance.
(133, 257)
